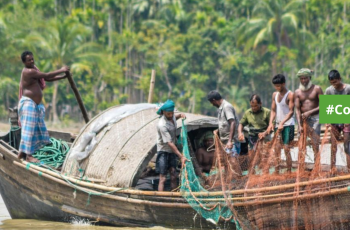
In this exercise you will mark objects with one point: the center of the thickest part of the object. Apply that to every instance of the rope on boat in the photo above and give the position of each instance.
(53, 154)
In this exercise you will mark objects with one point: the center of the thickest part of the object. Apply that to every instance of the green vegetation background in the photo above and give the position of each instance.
(234, 46)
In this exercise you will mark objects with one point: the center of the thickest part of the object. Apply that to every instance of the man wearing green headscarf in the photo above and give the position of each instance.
(306, 100)
(166, 144)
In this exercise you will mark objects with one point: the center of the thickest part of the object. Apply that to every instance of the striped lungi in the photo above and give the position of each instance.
(34, 134)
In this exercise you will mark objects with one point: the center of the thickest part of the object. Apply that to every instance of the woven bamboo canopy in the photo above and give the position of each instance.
(125, 147)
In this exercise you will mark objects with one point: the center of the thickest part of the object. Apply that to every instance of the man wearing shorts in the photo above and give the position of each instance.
(167, 151)
(282, 110)
(306, 100)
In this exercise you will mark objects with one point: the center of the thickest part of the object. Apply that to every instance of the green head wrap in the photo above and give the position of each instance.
(168, 106)
(207, 135)
(305, 72)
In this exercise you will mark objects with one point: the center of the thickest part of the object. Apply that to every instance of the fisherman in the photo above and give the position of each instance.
(204, 155)
(339, 88)
(257, 119)
(282, 110)
(228, 123)
(166, 144)
(34, 134)
(306, 100)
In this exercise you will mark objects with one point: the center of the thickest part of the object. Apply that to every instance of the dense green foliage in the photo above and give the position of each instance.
(195, 46)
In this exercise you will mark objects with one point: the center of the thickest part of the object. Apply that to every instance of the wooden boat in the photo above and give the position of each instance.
(118, 160)
(115, 165)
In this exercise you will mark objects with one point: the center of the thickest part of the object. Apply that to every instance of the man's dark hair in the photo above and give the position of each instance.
(279, 79)
(255, 97)
(333, 74)
(24, 55)
(214, 95)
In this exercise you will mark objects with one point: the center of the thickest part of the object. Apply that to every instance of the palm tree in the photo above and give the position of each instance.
(59, 41)
(273, 22)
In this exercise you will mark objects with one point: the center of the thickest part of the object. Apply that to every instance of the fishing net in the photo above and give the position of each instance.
(53, 154)
(302, 185)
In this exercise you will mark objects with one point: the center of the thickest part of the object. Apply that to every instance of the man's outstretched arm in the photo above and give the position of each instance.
(47, 76)
(56, 78)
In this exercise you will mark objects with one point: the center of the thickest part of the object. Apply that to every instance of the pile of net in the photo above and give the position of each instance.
(303, 185)
(52, 155)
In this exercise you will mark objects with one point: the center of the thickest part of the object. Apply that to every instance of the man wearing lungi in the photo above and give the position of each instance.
(31, 111)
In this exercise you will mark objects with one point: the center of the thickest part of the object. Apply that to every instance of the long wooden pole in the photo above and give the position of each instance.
(178, 194)
(78, 97)
(151, 87)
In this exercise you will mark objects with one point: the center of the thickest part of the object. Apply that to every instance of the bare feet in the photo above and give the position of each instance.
(21, 155)
(32, 159)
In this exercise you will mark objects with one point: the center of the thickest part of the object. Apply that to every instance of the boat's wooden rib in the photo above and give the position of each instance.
(178, 194)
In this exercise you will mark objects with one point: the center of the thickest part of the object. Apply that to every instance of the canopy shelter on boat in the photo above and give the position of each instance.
(119, 143)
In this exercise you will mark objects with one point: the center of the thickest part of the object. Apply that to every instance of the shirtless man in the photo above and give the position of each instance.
(306, 100)
(204, 157)
(282, 110)
(34, 134)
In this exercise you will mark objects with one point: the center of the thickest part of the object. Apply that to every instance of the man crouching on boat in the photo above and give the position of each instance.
(166, 144)
(31, 111)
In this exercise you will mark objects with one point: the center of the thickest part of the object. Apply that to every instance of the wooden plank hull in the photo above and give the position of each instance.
(32, 195)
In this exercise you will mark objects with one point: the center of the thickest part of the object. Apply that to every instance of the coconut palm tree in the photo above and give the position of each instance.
(274, 23)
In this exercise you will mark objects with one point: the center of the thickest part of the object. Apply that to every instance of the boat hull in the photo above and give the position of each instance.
(31, 195)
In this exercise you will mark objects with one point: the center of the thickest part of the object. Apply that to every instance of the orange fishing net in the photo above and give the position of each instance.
(303, 185)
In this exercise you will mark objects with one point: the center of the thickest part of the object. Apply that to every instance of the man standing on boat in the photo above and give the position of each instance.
(228, 123)
(282, 110)
(306, 100)
(31, 111)
(166, 144)
(339, 88)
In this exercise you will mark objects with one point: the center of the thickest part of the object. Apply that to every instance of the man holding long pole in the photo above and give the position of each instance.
(31, 111)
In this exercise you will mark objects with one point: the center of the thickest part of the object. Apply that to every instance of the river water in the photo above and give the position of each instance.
(7, 223)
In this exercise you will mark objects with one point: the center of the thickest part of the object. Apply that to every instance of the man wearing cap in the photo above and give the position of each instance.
(166, 144)
(306, 100)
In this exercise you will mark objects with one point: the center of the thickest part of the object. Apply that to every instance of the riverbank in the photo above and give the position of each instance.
(70, 127)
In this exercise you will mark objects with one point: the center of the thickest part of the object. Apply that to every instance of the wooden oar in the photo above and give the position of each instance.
(78, 97)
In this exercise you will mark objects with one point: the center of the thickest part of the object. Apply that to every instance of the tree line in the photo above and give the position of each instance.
(234, 46)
